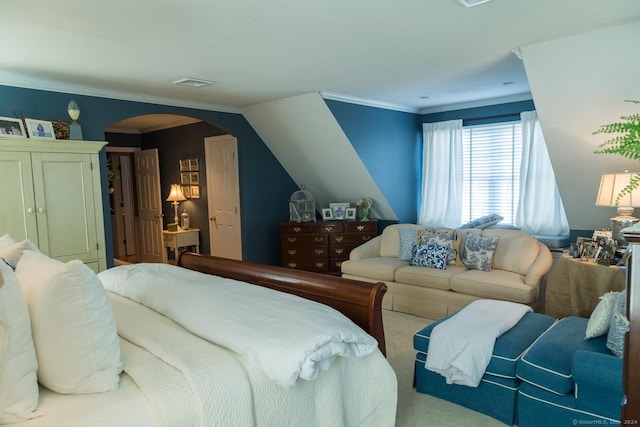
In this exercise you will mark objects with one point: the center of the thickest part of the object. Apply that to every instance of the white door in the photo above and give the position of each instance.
(223, 196)
(18, 213)
(147, 173)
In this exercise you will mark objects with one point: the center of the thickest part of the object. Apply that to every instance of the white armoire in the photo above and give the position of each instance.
(50, 193)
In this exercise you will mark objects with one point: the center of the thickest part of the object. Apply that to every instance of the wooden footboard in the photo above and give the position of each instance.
(359, 301)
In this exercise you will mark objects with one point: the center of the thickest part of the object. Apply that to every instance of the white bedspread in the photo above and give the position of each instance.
(460, 348)
(286, 336)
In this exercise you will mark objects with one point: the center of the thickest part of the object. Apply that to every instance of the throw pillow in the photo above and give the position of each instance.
(408, 238)
(430, 255)
(483, 222)
(18, 365)
(73, 327)
(478, 252)
(13, 253)
(6, 241)
(601, 316)
(619, 325)
(440, 237)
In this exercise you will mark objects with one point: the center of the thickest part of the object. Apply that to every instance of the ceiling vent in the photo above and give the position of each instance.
(471, 3)
(191, 82)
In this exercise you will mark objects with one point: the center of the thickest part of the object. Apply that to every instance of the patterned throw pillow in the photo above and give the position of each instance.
(483, 222)
(407, 240)
(601, 316)
(434, 256)
(619, 325)
(478, 252)
(441, 238)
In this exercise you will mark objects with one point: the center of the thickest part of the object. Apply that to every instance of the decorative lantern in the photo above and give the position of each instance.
(302, 207)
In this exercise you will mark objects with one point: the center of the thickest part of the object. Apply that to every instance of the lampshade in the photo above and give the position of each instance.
(175, 195)
(610, 186)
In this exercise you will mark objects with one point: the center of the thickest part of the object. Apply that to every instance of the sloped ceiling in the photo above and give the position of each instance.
(579, 83)
(306, 139)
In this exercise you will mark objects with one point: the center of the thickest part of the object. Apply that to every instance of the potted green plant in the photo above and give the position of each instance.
(626, 143)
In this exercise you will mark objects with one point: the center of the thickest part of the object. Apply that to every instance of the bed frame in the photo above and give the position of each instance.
(359, 301)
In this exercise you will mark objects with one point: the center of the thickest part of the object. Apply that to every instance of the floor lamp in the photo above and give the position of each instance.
(610, 186)
(175, 196)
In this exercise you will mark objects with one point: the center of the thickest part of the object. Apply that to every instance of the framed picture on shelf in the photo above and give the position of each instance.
(193, 165)
(185, 178)
(327, 214)
(12, 127)
(184, 165)
(350, 213)
(186, 190)
(40, 129)
(195, 192)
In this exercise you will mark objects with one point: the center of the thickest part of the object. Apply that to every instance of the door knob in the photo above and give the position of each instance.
(213, 218)
(41, 210)
(30, 210)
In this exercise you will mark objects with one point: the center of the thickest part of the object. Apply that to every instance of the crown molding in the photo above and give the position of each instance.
(368, 102)
(480, 103)
(12, 80)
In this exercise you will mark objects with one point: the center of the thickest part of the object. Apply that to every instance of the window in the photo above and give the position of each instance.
(491, 170)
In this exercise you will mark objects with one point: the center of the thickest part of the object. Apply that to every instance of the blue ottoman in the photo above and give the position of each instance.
(496, 394)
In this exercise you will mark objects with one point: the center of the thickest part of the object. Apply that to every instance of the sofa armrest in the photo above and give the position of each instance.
(540, 266)
(369, 249)
(598, 370)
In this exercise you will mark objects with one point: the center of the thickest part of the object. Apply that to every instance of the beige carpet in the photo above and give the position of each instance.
(417, 409)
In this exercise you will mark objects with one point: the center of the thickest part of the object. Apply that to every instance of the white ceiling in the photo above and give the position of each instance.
(390, 53)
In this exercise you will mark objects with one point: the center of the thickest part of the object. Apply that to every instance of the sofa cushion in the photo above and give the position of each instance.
(378, 268)
(508, 348)
(390, 242)
(495, 284)
(516, 251)
(547, 363)
(483, 222)
(429, 255)
(427, 277)
(478, 252)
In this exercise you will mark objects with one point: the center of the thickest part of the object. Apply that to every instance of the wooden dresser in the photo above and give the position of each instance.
(322, 246)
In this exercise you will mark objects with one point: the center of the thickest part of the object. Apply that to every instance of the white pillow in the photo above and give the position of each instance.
(13, 253)
(18, 365)
(601, 316)
(73, 327)
(6, 241)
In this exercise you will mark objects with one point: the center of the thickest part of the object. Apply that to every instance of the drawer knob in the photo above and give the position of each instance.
(339, 251)
(339, 238)
(297, 229)
(292, 251)
(319, 264)
(291, 239)
(293, 265)
(360, 227)
(319, 238)
(319, 251)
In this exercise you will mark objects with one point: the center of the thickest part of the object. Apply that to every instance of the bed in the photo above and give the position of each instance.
(174, 376)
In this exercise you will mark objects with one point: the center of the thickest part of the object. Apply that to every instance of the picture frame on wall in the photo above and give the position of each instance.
(41, 129)
(194, 178)
(185, 178)
(195, 192)
(194, 165)
(186, 190)
(184, 165)
(12, 127)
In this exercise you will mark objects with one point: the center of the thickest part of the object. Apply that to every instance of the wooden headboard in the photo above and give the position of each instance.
(359, 301)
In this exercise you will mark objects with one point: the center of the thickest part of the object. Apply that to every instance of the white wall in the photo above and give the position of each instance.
(579, 83)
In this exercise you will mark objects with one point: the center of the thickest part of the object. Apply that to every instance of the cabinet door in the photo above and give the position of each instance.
(65, 208)
(17, 213)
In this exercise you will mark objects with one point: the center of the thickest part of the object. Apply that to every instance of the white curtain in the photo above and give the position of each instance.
(441, 202)
(540, 208)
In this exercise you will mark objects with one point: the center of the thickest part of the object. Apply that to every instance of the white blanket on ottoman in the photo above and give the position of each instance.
(460, 348)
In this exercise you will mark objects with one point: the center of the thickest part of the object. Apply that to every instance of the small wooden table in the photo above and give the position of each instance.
(174, 240)
(576, 285)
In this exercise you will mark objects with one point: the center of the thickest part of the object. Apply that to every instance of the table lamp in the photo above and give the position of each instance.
(175, 196)
(610, 186)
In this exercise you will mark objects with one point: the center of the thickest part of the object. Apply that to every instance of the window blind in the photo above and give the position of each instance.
(491, 174)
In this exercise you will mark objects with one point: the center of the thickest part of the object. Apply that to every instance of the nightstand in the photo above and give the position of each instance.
(174, 240)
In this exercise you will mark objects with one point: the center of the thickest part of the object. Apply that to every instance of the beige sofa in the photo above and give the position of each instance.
(519, 266)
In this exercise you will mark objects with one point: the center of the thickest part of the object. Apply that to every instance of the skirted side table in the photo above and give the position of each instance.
(576, 285)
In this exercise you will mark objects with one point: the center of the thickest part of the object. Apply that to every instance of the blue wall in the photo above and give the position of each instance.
(390, 146)
(265, 187)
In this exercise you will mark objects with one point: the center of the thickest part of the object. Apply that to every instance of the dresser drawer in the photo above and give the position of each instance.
(361, 227)
(297, 228)
(304, 239)
(350, 238)
(320, 265)
(304, 251)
